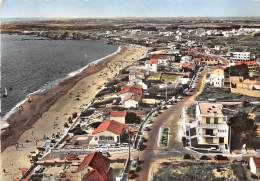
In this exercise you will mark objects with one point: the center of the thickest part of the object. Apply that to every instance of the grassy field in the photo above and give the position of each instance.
(155, 76)
(199, 171)
(168, 78)
(223, 94)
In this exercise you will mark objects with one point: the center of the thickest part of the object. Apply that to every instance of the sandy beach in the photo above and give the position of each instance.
(49, 119)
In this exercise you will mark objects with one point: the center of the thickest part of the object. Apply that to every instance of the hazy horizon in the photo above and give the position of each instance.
(128, 8)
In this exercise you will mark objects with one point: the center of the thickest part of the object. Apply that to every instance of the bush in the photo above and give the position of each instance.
(221, 157)
(205, 157)
(187, 156)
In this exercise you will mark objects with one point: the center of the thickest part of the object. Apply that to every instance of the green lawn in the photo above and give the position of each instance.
(155, 76)
(168, 78)
(164, 138)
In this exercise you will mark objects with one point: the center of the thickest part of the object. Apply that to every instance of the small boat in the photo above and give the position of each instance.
(5, 93)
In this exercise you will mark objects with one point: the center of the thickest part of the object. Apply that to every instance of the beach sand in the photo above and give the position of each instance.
(52, 121)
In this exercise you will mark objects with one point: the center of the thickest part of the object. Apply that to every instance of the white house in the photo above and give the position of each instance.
(131, 101)
(254, 164)
(152, 64)
(185, 59)
(128, 91)
(118, 116)
(108, 132)
(163, 62)
(217, 77)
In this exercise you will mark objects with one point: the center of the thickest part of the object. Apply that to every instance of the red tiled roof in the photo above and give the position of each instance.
(251, 62)
(117, 113)
(185, 65)
(96, 161)
(135, 97)
(93, 175)
(154, 59)
(137, 90)
(110, 125)
(257, 162)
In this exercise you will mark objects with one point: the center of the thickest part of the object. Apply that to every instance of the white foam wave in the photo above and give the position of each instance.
(48, 86)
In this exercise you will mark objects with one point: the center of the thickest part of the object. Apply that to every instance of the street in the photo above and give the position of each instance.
(169, 118)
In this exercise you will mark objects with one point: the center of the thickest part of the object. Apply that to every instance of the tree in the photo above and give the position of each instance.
(238, 70)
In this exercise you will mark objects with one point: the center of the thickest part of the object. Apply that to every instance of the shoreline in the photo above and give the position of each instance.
(55, 112)
(42, 99)
(50, 85)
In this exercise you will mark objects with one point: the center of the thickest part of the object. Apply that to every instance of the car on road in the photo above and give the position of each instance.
(179, 97)
(39, 169)
(147, 129)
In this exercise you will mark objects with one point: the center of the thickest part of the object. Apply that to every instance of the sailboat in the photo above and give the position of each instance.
(5, 93)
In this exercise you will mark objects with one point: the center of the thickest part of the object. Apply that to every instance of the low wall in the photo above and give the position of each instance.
(247, 92)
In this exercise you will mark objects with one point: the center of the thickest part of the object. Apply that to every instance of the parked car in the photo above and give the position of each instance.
(39, 169)
(147, 129)
(131, 174)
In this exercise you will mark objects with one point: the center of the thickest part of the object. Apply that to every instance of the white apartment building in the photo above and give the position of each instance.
(240, 55)
(211, 125)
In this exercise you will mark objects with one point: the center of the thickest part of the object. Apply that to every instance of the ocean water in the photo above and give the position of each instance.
(28, 63)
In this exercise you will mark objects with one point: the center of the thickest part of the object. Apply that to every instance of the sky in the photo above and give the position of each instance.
(128, 8)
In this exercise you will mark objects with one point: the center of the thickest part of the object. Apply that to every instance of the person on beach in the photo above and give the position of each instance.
(4, 171)
(16, 146)
(29, 99)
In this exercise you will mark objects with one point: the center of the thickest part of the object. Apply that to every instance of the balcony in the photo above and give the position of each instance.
(210, 126)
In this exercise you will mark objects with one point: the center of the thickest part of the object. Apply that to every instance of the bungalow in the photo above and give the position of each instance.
(152, 64)
(94, 167)
(137, 78)
(130, 91)
(131, 101)
(254, 164)
(217, 77)
(163, 61)
(118, 116)
(136, 75)
(108, 132)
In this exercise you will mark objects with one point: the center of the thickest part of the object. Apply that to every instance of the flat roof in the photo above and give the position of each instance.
(210, 108)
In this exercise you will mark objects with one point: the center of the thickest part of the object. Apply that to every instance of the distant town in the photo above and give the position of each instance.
(187, 106)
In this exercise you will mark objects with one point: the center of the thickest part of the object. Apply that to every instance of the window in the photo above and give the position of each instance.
(215, 120)
(221, 140)
(209, 140)
(110, 138)
(209, 132)
(208, 120)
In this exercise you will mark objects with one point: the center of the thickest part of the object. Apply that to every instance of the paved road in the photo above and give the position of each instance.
(169, 118)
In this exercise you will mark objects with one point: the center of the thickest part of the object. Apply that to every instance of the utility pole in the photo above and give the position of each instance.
(166, 92)
(129, 145)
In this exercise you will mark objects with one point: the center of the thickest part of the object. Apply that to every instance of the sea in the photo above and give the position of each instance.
(30, 63)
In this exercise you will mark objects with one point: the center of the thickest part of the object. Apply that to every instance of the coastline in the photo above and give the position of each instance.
(17, 122)
(45, 88)
(48, 112)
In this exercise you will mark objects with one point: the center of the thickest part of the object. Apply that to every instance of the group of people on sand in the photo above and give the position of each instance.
(21, 108)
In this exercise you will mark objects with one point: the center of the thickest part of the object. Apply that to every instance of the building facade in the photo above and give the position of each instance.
(212, 127)
(217, 77)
